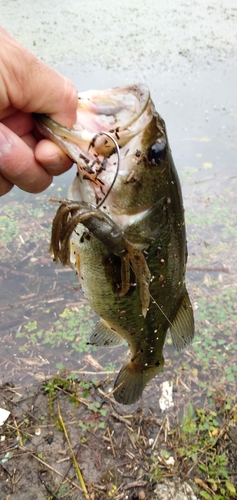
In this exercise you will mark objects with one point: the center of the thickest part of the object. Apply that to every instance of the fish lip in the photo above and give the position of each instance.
(45, 124)
(74, 143)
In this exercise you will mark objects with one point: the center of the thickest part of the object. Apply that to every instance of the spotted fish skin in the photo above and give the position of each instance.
(122, 319)
(146, 204)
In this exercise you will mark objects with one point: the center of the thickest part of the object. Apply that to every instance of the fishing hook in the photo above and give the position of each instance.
(117, 168)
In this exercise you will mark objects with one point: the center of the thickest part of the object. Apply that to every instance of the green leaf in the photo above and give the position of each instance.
(206, 495)
(202, 467)
(231, 487)
(94, 406)
(103, 412)
(190, 410)
(101, 425)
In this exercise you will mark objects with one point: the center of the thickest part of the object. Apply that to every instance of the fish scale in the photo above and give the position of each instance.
(138, 288)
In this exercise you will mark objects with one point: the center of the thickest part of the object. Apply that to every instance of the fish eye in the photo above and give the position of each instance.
(157, 153)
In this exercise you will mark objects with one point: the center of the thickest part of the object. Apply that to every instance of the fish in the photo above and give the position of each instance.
(122, 229)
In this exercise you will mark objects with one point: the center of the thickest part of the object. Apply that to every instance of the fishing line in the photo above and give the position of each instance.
(117, 168)
(166, 317)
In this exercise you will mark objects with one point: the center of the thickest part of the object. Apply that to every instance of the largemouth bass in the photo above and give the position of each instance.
(123, 229)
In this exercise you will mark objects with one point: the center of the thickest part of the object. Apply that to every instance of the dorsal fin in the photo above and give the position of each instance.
(103, 335)
(182, 329)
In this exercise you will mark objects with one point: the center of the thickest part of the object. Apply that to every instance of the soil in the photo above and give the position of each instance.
(69, 439)
(55, 424)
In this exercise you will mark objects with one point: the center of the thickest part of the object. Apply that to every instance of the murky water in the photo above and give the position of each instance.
(44, 321)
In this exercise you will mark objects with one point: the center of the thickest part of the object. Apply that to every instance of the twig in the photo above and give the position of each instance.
(135, 484)
(116, 492)
(15, 272)
(158, 434)
(52, 494)
(111, 442)
(121, 419)
(18, 432)
(6, 470)
(79, 474)
(22, 448)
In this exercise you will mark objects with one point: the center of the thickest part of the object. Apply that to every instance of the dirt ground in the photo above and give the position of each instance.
(70, 440)
(65, 425)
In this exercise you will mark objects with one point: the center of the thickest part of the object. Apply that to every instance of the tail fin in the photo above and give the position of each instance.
(132, 379)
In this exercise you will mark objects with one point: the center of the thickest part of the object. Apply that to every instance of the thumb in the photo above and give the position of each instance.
(31, 85)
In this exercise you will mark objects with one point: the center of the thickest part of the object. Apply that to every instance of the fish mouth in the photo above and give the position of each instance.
(118, 112)
(110, 144)
(116, 109)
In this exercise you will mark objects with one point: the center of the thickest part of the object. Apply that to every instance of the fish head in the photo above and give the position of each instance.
(119, 145)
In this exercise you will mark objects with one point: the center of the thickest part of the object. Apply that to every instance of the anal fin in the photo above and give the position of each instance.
(103, 335)
(182, 329)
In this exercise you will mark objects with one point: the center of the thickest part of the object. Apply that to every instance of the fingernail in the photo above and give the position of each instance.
(4, 143)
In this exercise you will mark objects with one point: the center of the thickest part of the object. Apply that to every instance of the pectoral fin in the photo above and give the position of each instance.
(103, 335)
(182, 329)
(132, 379)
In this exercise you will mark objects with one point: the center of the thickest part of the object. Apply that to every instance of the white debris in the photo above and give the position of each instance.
(38, 431)
(173, 489)
(166, 400)
(150, 441)
(4, 414)
(22, 239)
(170, 461)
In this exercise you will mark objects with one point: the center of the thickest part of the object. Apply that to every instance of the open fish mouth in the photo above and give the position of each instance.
(116, 111)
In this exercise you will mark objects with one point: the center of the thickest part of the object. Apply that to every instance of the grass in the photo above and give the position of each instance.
(15, 220)
(72, 327)
(204, 449)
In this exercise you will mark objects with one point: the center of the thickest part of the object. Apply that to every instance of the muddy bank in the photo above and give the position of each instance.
(69, 439)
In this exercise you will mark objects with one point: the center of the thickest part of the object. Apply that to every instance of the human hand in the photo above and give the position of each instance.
(28, 85)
